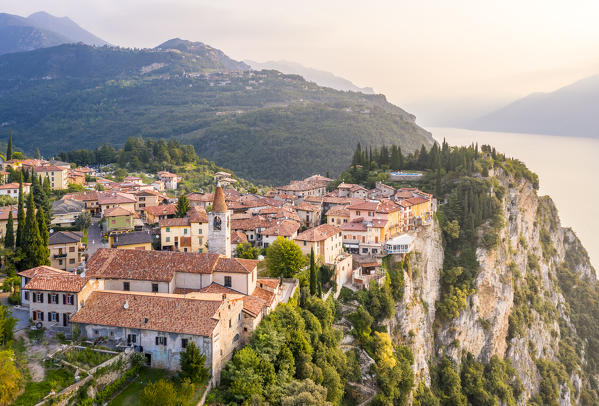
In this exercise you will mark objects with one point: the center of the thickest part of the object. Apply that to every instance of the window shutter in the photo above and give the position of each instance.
(49, 298)
(34, 298)
(42, 316)
(41, 298)
(64, 299)
(164, 340)
(156, 340)
(34, 315)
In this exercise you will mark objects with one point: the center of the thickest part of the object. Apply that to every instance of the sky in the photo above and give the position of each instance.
(441, 60)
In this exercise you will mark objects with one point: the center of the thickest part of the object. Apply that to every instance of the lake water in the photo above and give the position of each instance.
(568, 170)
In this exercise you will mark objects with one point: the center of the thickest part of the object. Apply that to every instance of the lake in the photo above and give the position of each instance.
(568, 168)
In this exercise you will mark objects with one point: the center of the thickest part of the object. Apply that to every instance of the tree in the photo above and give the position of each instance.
(305, 393)
(362, 322)
(44, 252)
(182, 206)
(193, 364)
(9, 237)
(9, 147)
(313, 282)
(83, 221)
(20, 214)
(37, 153)
(31, 238)
(10, 376)
(247, 251)
(159, 393)
(7, 325)
(284, 258)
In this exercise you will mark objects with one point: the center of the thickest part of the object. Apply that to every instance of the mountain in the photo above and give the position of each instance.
(266, 126)
(40, 30)
(320, 77)
(569, 111)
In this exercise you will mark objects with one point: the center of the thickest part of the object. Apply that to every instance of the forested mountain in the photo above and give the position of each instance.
(570, 111)
(320, 77)
(266, 126)
(39, 30)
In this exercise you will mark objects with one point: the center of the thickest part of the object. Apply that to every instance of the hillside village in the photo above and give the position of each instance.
(137, 268)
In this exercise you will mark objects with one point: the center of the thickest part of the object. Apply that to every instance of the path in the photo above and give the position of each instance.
(94, 238)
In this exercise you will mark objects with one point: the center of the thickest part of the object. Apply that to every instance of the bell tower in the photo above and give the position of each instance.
(219, 225)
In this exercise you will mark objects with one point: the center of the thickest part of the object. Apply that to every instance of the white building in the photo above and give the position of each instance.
(401, 244)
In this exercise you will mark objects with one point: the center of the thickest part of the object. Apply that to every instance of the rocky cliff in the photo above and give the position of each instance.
(526, 304)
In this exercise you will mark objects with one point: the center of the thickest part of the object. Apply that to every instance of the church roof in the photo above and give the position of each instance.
(219, 205)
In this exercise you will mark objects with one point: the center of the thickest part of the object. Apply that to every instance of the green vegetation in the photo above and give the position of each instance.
(56, 378)
(131, 394)
(247, 251)
(284, 258)
(266, 126)
(86, 358)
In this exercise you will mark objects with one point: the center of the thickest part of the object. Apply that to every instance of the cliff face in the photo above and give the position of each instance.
(518, 310)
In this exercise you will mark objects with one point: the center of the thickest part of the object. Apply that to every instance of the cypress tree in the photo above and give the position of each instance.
(38, 155)
(31, 238)
(313, 282)
(20, 214)
(9, 147)
(44, 251)
(182, 206)
(9, 237)
(47, 188)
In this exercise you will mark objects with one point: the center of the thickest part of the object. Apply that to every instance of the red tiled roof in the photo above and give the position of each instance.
(252, 305)
(238, 237)
(199, 197)
(117, 211)
(13, 185)
(306, 207)
(417, 200)
(354, 226)
(235, 265)
(161, 210)
(56, 281)
(285, 228)
(165, 313)
(42, 269)
(341, 211)
(174, 222)
(365, 205)
(115, 198)
(319, 233)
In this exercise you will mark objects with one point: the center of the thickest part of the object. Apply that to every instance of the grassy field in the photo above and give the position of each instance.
(132, 393)
(56, 379)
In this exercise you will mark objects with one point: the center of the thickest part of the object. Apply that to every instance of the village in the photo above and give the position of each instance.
(151, 271)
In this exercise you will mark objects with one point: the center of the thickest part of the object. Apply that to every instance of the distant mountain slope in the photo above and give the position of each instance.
(65, 27)
(40, 30)
(266, 126)
(320, 77)
(569, 111)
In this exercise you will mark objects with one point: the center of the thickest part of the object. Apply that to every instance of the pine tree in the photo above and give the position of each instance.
(38, 155)
(182, 206)
(9, 237)
(9, 147)
(31, 238)
(44, 251)
(20, 214)
(47, 188)
(313, 282)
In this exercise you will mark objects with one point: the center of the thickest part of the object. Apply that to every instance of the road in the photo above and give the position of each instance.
(94, 238)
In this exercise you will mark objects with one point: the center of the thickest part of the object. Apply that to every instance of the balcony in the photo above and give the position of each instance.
(63, 255)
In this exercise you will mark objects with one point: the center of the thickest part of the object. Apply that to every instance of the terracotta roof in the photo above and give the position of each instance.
(250, 224)
(351, 186)
(379, 223)
(285, 228)
(339, 210)
(197, 215)
(354, 226)
(417, 200)
(252, 305)
(83, 196)
(318, 178)
(174, 222)
(318, 233)
(365, 205)
(299, 186)
(387, 206)
(5, 211)
(167, 313)
(238, 237)
(264, 294)
(306, 207)
(161, 210)
(115, 198)
(270, 282)
(13, 185)
(117, 211)
(148, 265)
(43, 269)
(47, 168)
(64, 237)
(201, 197)
(56, 282)
(219, 205)
(235, 265)
(66, 206)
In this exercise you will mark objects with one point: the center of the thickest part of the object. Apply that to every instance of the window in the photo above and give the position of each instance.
(160, 340)
(60, 262)
(113, 221)
(184, 343)
(52, 316)
(125, 285)
(39, 297)
(168, 229)
(131, 338)
(96, 332)
(155, 287)
(27, 295)
(71, 249)
(70, 299)
(54, 298)
(184, 231)
(168, 239)
(71, 260)
(228, 282)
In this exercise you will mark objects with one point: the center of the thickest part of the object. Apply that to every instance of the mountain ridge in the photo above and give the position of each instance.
(568, 111)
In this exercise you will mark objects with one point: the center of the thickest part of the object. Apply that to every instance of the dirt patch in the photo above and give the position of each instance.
(36, 353)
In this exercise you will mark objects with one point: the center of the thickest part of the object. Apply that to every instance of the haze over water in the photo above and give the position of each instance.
(567, 167)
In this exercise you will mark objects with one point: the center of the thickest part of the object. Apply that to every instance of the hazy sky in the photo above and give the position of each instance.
(431, 57)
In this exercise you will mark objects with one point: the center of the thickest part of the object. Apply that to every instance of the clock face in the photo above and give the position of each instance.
(217, 223)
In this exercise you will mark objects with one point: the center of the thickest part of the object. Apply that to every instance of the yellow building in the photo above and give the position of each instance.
(66, 250)
(58, 176)
(325, 239)
(337, 215)
(187, 234)
(136, 240)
